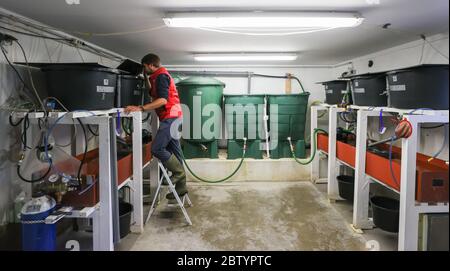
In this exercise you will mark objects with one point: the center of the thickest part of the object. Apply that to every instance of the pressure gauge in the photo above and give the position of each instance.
(53, 178)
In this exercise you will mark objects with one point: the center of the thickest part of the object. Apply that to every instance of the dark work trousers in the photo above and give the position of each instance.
(164, 145)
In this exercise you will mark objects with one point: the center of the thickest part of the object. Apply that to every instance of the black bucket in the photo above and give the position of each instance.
(346, 186)
(125, 210)
(385, 213)
(130, 90)
(82, 86)
(369, 90)
(335, 91)
(424, 86)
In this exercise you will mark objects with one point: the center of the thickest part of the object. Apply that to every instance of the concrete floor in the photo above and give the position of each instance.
(387, 241)
(249, 216)
(246, 216)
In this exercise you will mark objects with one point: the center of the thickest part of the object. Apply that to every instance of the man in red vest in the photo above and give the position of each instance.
(165, 101)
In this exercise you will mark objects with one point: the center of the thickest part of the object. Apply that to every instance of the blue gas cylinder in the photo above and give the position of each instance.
(36, 235)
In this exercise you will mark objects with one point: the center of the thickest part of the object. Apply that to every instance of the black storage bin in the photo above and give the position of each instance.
(385, 212)
(130, 90)
(125, 210)
(424, 86)
(147, 98)
(346, 186)
(335, 91)
(82, 86)
(369, 90)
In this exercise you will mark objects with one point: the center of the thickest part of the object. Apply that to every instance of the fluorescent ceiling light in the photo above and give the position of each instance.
(263, 20)
(245, 57)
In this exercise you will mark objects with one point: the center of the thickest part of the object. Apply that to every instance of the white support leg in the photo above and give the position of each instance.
(154, 168)
(315, 164)
(103, 236)
(333, 191)
(137, 197)
(409, 217)
(155, 198)
(362, 187)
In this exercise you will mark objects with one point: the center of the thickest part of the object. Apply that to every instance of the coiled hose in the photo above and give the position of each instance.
(223, 179)
(313, 149)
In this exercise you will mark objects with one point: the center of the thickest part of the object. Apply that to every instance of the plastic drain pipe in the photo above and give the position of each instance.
(244, 148)
(266, 130)
(313, 149)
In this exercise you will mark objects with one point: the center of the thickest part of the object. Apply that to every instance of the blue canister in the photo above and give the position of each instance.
(36, 235)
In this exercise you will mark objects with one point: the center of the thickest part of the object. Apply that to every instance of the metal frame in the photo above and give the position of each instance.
(136, 180)
(102, 217)
(333, 167)
(409, 208)
(171, 187)
(103, 214)
(315, 164)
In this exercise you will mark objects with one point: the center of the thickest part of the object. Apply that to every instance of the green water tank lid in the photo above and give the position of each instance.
(200, 81)
(287, 95)
(176, 79)
(244, 95)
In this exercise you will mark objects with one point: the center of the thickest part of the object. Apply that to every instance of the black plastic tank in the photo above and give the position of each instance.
(335, 92)
(369, 90)
(81, 86)
(346, 186)
(424, 86)
(131, 90)
(385, 213)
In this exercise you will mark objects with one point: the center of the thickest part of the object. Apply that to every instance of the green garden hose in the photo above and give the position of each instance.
(313, 149)
(223, 179)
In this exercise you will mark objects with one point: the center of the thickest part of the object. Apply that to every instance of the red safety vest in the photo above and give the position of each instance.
(172, 109)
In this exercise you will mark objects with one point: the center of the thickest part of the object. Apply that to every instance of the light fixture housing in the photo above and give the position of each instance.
(272, 20)
(245, 57)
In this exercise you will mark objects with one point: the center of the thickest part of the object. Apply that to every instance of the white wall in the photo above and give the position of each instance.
(37, 50)
(402, 56)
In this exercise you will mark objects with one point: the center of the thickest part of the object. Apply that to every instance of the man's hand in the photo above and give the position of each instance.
(132, 108)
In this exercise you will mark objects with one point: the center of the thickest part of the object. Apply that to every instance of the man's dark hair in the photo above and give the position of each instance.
(151, 59)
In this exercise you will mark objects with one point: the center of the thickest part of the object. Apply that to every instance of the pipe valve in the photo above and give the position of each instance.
(290, 144)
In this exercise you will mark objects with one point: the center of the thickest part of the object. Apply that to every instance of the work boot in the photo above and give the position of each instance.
(178, 177)
(181, 189)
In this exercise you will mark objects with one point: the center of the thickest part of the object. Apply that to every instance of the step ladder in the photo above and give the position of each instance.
(180, 201)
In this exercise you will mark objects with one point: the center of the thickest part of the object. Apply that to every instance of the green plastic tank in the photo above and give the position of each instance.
(176, 79)
(203, 97)
(287, 120)
(244, 117)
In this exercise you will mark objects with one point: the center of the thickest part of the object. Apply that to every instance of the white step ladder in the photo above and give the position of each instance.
(180, 201)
